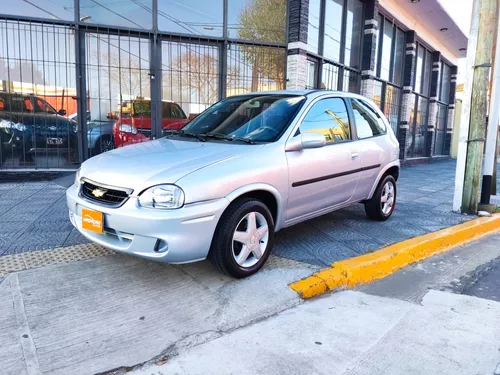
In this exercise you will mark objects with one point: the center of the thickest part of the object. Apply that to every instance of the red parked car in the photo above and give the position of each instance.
(133, 123)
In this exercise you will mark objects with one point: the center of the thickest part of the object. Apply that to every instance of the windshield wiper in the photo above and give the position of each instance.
(229, 137)
(187, 134)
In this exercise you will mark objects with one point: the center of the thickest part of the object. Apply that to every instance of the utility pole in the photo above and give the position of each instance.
(463, 134)
(492, 129)
(477, 127)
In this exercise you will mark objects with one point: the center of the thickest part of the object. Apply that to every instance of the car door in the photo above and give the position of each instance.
(370, 130)
(325, 177)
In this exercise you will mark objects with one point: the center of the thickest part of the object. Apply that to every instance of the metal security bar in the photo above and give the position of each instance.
(114, 73)
(37, 95)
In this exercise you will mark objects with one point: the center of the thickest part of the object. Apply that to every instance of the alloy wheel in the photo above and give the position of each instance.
(387, 198)
(250, 239)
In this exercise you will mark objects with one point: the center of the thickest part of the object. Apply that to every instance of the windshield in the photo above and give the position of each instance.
(260, 118)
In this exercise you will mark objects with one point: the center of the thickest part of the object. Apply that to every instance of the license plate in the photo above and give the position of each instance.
(54, 141)
(92, 220)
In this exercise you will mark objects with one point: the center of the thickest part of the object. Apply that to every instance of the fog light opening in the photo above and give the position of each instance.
(160, 246)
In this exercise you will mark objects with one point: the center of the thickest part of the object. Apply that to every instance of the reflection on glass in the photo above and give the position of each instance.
(137, 14)
(377, 92)
(330, 77)
(38, 87)
(313, 25)
(427, 74)
(190, 81)
(368, 122)
(52, 9)
(385, 64)
(328, 117)
(117, 82)
(197, 17)
(411, 128)
(399, 54)
(439, 148)
(418, 72)
(333, 26)
(350, 83)
(259, 20)
(354, 29)
(311, 74)
(445, 83)
(421, 127)
(254, 68)
(392, 107)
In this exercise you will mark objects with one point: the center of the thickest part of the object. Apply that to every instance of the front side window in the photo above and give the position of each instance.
(368, 121)
(328, 117)
(259, 118)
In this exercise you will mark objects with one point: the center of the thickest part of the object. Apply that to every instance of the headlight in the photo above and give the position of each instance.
(128, 129)
(77, 179)
(163, 197)
(7, 124)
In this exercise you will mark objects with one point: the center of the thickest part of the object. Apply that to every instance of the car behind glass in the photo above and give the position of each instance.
(245, 168)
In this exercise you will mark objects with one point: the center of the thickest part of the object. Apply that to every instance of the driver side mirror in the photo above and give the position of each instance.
(62, 112)
(304, 141)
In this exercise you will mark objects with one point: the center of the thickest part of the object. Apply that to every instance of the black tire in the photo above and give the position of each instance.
(221, 251)
(373, 207)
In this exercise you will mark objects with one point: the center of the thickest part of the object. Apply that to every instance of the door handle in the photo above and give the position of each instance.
(354, 156)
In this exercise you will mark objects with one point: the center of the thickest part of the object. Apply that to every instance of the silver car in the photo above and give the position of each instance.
(245, 168)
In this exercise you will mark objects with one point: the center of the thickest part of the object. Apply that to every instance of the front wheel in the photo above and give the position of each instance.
(243, 239)
(383, 202)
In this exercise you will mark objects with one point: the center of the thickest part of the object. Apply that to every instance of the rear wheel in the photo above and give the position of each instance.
(103, 144)
(243, 239)
(383, 202)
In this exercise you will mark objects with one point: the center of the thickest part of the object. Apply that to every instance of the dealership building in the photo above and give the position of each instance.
(71, 69)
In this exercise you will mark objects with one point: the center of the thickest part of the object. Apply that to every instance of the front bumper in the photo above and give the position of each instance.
(176, 236)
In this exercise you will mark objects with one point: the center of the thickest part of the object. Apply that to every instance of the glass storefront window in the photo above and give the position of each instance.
(419, 69)
(385, 64)
(313, 25)
(37, 96)
(330, 77)
(197, 17)
(51, 9)
(354, 28)
(427, 73)
(190, 81)
(311, 74)
(399, 55)
(445, 83)
(119, 95)
(333, 28)
(439, 148)
(254, 68)
(257, 20)
(421, 127)
(137, 14)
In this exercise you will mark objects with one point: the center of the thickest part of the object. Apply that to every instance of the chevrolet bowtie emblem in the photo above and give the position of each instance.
(98, 193)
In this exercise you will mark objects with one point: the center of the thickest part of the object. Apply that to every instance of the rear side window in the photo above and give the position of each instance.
(177, 111)
(328, 117)
(368, 121)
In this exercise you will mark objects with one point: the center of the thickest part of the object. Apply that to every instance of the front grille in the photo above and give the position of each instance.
(111, 197)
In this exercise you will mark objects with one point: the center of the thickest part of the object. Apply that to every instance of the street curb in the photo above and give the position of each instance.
(379, 264)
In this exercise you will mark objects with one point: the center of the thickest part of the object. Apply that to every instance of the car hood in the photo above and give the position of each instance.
(162, 161)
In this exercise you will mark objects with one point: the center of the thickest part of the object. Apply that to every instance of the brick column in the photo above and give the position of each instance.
(433, 105)
(451, 110)
(298, 13)
(369, 48)
(404, 135)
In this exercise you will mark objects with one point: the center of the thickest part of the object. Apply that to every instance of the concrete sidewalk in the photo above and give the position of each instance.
(421, 329)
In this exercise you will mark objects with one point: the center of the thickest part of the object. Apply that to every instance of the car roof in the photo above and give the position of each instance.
(309, 93)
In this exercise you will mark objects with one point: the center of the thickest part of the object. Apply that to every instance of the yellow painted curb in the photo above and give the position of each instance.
(366, 268)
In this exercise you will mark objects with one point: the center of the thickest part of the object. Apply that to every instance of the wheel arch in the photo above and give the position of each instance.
(390, 169)
(267, 194)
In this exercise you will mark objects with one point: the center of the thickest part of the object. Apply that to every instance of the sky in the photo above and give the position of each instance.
(461, 12)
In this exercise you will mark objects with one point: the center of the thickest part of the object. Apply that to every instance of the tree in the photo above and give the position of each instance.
(264, 20)
(21, 71)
